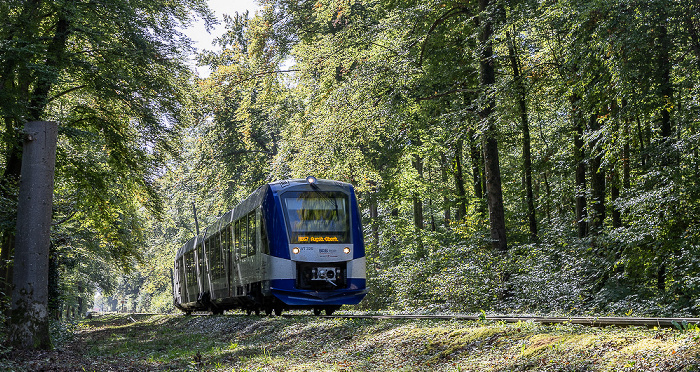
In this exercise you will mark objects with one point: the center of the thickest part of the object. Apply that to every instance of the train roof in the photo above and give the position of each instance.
(282, 184)
(250, 203)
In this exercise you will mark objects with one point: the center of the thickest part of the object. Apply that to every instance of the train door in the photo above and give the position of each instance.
(243, 264)
(226, 252)
(199, 263)
(236, 275)
(264, 249)
(259, 257)
(207, 247)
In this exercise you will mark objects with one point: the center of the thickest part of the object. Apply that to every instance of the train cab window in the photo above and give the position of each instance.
(252, 232)
(317, 217)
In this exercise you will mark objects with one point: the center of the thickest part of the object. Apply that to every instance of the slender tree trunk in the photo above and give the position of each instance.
(525, 127)
(8, 187)
(666, 96)
(640, 136)
(666, 89)
(597, 219)
(693, 28)
(374, 217)
(6, 256)
(492, 168)
(29, 323)
(418, 208)
(548, 192)
(614, 195)
(477, 160)
(445, 198)
(459, 183)
(579, 157)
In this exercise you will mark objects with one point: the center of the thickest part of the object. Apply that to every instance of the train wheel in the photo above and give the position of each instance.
(278, 311)
(257, 312)
(329, 311)
(317, 311)
(268, 311)
(248, 311)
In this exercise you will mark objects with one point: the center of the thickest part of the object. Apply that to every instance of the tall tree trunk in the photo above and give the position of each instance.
(640, 136)
(445, 198)
(666, 89)
(525, 127)
(374, 216)
(492, 168)
(459, 182)
(579, 158)
(614, 195)
(418, 208)
(6, 255)
(548, 192)
(8, 187)
(477, 160)
(597, 218)
(693, 28)
(666, 96)
(29, 323)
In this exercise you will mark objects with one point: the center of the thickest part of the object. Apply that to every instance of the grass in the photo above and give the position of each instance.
(301, 343)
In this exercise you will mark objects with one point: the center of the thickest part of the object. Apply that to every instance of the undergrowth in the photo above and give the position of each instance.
(304, 343)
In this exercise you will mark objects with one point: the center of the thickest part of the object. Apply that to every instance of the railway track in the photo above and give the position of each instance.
(682, 323)
(588, 321)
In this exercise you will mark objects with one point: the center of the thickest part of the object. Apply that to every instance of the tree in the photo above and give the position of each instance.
(29, 326)
(113, 75)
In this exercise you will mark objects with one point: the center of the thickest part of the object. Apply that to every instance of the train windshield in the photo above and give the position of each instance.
(317, 217)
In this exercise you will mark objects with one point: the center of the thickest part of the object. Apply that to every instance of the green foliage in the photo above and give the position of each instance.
(386, 95)
(113, 75)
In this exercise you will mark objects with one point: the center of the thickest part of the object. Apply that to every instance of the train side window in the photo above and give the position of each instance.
(252, 234)
(244, 237)
(264, 247)
(211, 253)
(237, 239)
(218, 269)
(226, 242)
(191, 275)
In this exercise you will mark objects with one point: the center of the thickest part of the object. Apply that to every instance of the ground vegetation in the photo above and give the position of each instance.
(302, 343)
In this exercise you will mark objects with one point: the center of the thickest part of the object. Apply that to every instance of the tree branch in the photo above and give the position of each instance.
(61, 94)
(439, 95)
(449, 14)
(64, 220)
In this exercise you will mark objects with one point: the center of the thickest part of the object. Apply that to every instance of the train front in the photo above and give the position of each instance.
(321, 263)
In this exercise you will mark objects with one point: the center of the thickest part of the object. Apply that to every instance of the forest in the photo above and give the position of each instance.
(535, 157)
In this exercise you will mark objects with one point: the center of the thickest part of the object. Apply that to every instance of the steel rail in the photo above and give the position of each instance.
(589, 321)
(582, 320)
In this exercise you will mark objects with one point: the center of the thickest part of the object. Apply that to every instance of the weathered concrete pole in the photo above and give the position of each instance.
(29, 321)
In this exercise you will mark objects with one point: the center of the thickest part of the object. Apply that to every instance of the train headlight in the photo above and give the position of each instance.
(311, 180)
(295, 250)
(346, 250)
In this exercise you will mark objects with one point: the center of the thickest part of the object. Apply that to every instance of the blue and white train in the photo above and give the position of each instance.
(292, 244)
